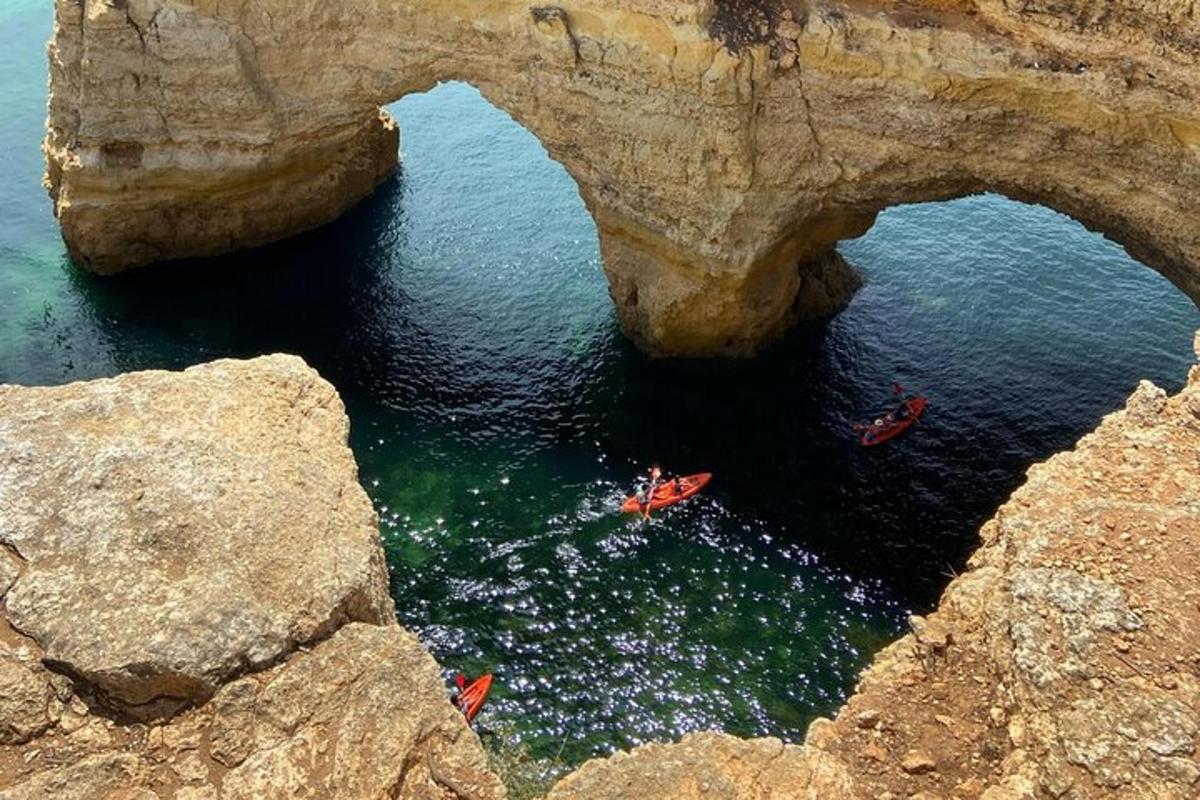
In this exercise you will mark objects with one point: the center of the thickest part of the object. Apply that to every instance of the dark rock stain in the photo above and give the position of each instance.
(744, 23)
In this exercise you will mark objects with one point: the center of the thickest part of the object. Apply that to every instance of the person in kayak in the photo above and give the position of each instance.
(645, 494)
(460, 683)
(640, 494)
(906, 409)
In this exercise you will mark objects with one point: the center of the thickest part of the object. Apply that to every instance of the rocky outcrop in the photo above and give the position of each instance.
(718, 144)
(1063, 664)
(710, 765)
(226, 490)
(195, 602)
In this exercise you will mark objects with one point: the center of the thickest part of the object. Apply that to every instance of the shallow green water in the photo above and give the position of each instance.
(498, 416)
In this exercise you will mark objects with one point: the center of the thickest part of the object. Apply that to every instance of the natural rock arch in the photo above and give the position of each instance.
(718, 144)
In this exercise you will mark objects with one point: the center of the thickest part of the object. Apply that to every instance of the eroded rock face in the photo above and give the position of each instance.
(1063, 664)
(227, 490)
(364, 715)
(361, 716)
(717, 143)
(26, 695)
(195, 602)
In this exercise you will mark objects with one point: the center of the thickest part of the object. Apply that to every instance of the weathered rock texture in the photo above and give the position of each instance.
(194, 601)
(710, 765)
(717, 143)
(1063, 664)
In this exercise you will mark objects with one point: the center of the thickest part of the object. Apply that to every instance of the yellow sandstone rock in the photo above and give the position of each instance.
(722, 146)
(199, 606)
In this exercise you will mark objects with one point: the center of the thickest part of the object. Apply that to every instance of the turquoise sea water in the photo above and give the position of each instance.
(498, 415)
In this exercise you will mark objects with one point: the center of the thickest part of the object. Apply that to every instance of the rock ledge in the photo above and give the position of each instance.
(194, 601)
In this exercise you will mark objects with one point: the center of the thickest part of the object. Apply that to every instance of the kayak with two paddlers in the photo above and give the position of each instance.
(660, 494)
(896, 422)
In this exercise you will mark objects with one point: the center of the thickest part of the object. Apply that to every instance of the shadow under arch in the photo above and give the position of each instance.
(446, 267)
(1021, 326)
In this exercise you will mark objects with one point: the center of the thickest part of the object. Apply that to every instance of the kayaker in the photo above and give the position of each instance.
(460, 683)
(645, 494)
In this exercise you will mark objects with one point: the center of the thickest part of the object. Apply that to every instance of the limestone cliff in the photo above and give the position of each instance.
(194, 601)
(1063, 664)
(719, 144)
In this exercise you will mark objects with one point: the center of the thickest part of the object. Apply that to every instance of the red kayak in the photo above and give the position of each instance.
(471, 701)
(893, 424)
(667, 495)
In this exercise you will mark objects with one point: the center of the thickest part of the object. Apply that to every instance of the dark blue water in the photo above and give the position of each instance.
(498, 415)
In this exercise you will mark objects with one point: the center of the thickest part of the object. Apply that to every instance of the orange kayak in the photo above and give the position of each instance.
(666, 494)
(893, 425)
(471, 701)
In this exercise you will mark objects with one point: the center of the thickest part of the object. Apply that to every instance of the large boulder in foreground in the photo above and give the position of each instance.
(180, 529)
(194, 601)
